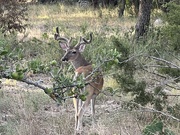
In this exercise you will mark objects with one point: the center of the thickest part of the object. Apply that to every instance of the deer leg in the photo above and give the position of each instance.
(76, 107)
(80, 101)
(93, 108)
(81, 112)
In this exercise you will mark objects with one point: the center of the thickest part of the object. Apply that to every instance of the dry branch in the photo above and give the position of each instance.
(163, 60)
(156, 111)
(153, 110)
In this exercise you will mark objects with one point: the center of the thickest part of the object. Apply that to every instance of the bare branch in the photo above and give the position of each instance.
(158, 66)
(156, 111)
(164, 77)
(33, 83)
(173, 56)
(163, 60)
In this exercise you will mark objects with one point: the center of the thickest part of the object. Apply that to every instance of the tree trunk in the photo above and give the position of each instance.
(136, 6)
(122, 4)
(142, 24)
(95, 3)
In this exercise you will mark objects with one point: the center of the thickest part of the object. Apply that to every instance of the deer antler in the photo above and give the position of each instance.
(58, 38)
(84, 41)
(88, 41)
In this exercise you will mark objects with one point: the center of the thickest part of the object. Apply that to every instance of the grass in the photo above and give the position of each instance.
(29, 111)
(26, 110)
(33, 113)
(72, 20)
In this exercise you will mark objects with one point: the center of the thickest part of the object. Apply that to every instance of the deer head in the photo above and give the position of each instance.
(73, 53)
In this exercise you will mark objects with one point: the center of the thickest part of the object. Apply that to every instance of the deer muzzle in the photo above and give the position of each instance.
(64, 59)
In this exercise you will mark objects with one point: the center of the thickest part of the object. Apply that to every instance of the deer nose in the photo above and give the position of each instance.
(64, 59)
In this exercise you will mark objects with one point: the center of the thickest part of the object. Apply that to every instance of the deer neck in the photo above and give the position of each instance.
(79, 62)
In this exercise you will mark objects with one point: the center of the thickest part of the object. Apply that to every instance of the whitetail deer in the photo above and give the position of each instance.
(73, 55)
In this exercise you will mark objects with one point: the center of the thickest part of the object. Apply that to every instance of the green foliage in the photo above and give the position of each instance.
(123, 48)
(173, 72)
(172, 16)
(170, 32)
(170, 37)
(131, 67)
(162, 47)
(157, 127)
(10, 55)
(127, 69)
(13, 15)
(174, 110)
(36, 66)
(84, 28)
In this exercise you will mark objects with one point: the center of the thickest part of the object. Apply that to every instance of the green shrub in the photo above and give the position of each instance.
(157, 127)
(170, 32)
(13, 15)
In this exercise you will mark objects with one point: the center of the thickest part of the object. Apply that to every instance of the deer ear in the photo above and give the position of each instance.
(63, 45)
(81, 47)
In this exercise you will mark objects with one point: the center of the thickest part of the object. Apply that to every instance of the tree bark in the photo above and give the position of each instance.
(136, 6)
(142, 24)
(122, 4)
(95, 3)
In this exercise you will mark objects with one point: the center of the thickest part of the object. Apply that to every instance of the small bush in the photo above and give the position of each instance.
(157, 127)
(170, 32)
(13, 16)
